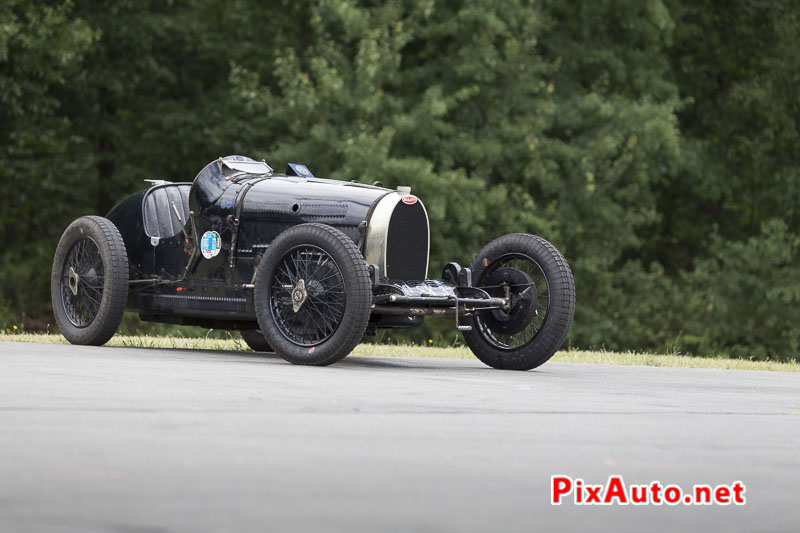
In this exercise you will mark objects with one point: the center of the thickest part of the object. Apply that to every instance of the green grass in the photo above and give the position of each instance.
(391, 350)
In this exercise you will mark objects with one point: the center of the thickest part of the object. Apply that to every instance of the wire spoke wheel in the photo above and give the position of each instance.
(537, 282)
(89, 281)
(307, 296)
(312, 295)
(255, 339)
(521, 278)
(82, 282)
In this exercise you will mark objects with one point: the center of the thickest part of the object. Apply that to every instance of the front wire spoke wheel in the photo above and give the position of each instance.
(536, 281)
(530, 296)
(320, 296)
(312, 295)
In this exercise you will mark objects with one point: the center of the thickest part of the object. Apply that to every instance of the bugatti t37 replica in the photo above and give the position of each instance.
(302, 266)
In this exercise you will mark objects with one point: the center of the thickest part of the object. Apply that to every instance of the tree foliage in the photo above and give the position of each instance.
(652, 141)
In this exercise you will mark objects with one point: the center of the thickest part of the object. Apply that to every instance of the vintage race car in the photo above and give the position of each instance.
(302, 266)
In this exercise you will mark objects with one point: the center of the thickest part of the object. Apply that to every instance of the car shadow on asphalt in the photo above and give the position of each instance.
(349, 362)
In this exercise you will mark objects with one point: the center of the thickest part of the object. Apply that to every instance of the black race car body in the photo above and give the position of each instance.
(193, 247)
(301, 265)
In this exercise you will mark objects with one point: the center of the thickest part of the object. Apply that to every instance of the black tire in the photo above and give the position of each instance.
(256, 340)
(88, 302)
(528, 335)
(333, 316)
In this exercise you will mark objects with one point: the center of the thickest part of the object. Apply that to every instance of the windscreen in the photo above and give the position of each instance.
(251, 167)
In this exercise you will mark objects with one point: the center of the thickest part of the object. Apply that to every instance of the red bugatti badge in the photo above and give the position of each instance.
(409, 199)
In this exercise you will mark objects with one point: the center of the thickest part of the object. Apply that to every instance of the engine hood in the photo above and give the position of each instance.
(248, 206)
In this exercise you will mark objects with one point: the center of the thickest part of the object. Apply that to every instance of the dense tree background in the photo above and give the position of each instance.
(655, 142)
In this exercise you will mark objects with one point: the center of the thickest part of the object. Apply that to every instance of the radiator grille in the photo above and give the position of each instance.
(407, 248)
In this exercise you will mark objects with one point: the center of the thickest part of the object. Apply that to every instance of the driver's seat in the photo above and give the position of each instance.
(159, 218)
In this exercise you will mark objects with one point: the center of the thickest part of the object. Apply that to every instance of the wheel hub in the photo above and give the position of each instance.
(519, 288)
(73, 281)
(299, 295)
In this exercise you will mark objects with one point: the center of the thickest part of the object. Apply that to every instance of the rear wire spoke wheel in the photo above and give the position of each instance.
(536, 278)
(313, 295)
(256, 340)
(82, 282)
(89, 281)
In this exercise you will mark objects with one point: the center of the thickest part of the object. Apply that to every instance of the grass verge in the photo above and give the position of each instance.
(391, 350)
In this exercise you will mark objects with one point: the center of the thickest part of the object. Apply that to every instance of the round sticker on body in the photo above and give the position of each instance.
(210, 244)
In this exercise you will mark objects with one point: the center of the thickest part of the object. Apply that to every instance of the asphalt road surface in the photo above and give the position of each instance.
(150, 440)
